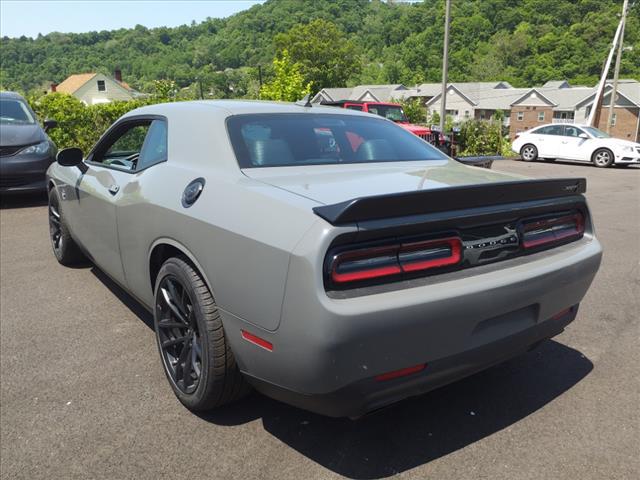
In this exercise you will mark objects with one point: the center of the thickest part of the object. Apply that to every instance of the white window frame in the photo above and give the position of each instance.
(614, 118)
(520, 116)
(103, 83)
(541, 116)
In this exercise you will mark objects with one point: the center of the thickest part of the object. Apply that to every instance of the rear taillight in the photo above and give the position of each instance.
(377, 262)
(550, 230)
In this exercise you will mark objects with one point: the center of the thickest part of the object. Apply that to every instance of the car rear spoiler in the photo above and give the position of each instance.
(448, 198)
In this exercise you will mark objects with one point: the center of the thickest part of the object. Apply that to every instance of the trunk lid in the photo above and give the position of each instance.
(330, 184)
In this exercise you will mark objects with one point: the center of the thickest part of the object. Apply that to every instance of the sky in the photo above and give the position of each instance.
(30, 17)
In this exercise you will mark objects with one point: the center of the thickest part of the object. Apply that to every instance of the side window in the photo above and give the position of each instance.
(572, 131)
(101, 86)
(136, 146)
(154, 149)
(550, 130)
(354, 107)
(124, 151)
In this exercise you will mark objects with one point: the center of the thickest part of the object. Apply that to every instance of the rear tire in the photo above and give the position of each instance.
(196, 356)
(64, 247)
(602, 158)
(529, 153)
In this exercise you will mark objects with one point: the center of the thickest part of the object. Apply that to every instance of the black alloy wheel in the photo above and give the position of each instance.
(179, 339)
(64, 247)
(55, 225)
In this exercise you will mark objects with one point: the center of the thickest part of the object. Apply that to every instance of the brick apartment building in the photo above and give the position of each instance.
(558, 102)
(523, 108)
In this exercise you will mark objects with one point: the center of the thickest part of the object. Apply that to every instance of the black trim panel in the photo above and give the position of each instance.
(449, 198)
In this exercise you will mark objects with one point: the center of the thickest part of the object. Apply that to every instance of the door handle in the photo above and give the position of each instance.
(113, 189)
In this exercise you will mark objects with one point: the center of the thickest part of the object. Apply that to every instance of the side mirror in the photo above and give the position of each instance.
(49, 124)
(70, 157)
(583, 135)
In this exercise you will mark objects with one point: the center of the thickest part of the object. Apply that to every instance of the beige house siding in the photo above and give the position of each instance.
(90, 95)
(455, 102)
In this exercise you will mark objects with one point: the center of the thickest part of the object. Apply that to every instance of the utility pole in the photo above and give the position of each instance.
(616, 71)
(445, 66)
(594, 116)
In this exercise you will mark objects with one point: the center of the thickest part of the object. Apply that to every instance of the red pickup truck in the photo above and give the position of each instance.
(391, 111)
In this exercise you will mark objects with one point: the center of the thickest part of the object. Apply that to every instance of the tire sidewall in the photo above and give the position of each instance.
(173, 268)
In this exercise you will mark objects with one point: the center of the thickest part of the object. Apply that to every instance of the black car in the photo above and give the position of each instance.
(25, 149)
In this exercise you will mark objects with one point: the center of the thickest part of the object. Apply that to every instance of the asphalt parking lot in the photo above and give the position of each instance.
(83, 394)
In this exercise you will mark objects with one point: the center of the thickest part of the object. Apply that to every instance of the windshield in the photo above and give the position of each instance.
(390, 112)
(594, 132)
(269, 140)
(15, 112)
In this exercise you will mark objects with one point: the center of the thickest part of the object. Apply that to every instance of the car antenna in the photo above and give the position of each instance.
(306, 101)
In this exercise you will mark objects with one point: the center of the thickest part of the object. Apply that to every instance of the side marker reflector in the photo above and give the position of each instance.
(261, 342)
(562, 313)
(401, 373)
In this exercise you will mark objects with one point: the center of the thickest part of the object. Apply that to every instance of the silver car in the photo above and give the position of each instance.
(325, 257)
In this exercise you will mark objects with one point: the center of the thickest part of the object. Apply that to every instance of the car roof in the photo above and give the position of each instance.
(564, 123)
(227, 108)
(15, 95)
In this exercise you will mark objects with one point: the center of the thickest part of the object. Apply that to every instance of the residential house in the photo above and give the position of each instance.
(556, 102)
(361, 93)
(522, 108)
(93, 88)
(478, 100)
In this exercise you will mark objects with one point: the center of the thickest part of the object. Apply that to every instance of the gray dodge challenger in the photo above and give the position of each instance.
(327, 258)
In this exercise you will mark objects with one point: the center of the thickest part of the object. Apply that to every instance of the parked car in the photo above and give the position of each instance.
(326, 257)
(25, 149)
(569, 141)
(390, 111)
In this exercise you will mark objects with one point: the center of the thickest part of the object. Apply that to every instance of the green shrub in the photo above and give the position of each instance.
(81, 125)
(480, 137)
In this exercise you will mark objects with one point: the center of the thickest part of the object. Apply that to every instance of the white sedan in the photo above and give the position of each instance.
(575, 142)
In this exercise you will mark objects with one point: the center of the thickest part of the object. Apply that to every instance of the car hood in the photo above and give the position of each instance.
(328, 184)
(416, 129)
(18, 135)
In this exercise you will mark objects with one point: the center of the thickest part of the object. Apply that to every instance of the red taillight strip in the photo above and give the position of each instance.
(453, 243)
(261, 342)
(392, 268)
(403, 372)
(574, 224)
(390, 260)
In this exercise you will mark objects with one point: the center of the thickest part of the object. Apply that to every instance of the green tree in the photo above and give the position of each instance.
(288, 84)
(327, 57)
(414, 110)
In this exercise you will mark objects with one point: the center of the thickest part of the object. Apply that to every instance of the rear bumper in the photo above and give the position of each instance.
(328, 351)
(369, 394)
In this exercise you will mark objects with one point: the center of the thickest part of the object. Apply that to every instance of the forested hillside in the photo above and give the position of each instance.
(525, 42)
